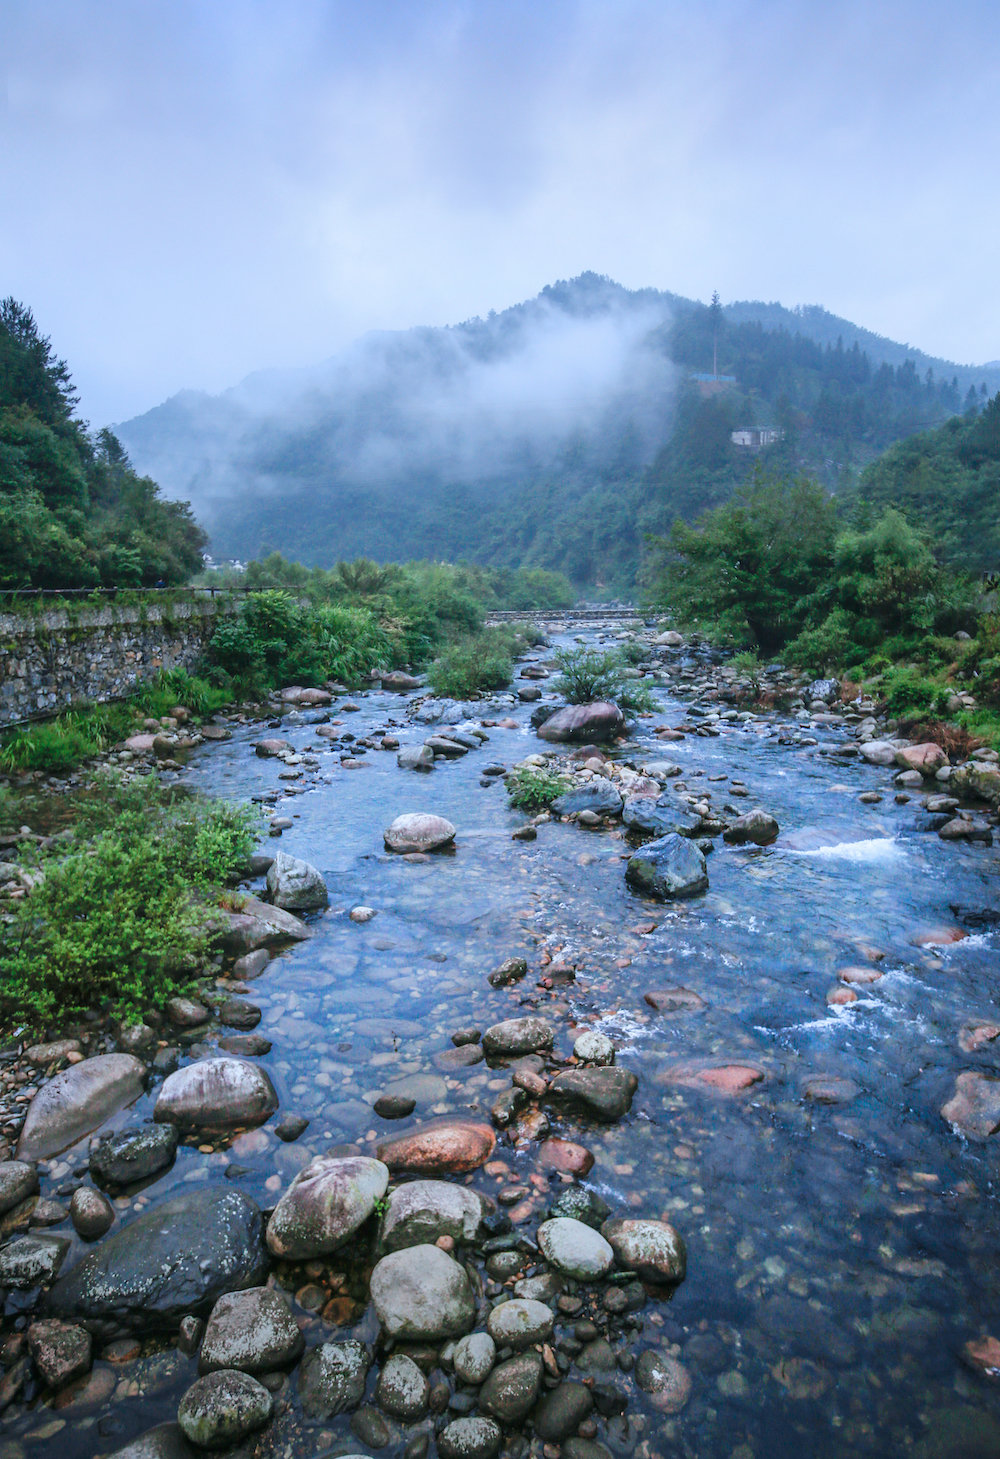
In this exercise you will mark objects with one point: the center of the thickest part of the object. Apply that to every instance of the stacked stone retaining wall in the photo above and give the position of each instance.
(53, 658)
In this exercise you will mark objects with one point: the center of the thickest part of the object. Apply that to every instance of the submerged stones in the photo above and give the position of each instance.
(446, 1147)
(175, 1259)
(418, 831)
(325, 1205)
(216, 1094)
(133, 1155)
(668, 868)
(518, 1036)
(603, 1093)
(296, 885)
(77, 1101)
(974, 1107)
(422, 1294)
(664, 1379)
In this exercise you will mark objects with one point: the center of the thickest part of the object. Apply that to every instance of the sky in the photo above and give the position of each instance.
(194, 189)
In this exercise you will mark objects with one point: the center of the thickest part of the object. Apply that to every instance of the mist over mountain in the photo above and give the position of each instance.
(552, 434)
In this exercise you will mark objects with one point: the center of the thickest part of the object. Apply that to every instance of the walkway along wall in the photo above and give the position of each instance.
(53, 657)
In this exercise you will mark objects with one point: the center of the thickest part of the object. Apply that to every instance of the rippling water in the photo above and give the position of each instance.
(839, 1255)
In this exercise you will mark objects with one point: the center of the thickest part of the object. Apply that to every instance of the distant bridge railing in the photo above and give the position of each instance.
(574, 615)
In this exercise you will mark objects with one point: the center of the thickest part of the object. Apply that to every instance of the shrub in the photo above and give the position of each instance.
(119, 919)
(483, 662)
(532, 788)
(588, 675)
(278, 640)
(904, 691)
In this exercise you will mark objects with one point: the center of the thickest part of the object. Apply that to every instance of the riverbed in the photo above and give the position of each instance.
(842, 1237)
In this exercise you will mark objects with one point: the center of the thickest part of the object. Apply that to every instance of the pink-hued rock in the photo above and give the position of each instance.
(975, 1036)
(974, 1108)
(583, 724)
(839, 997)
(938, 937)
(723, 1078)
(859, 977)
(267, 749)
(449, 1146)
(564, 1155)
(927, 758)
(140, 744)
(983, 1356)
(675, 1000)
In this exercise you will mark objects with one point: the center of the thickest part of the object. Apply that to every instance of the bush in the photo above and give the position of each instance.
(588, 675)
(119, 920)
(534, 789)
(904, 692)
(278, 640)
(483, 662)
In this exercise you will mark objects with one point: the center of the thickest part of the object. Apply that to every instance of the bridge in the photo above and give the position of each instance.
(612, 616)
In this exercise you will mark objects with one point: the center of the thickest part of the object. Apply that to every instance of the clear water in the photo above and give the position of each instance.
(839, 1256)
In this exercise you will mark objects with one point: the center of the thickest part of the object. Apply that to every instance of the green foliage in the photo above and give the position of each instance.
(478, 663)
(749, 667)
(73, 513)
(531, 788)
(588, 675)
(905, 691)
(277, 640)
(119, 917)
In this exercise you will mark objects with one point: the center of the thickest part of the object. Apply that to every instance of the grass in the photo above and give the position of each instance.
(119, 920)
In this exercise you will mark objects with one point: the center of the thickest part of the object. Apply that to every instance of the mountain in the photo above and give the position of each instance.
(552, 434)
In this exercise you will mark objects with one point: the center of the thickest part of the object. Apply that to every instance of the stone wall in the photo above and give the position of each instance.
(53, 658)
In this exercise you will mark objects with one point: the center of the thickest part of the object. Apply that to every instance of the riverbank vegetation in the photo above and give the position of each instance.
(118, 915)
(73, 512)
(853, 589)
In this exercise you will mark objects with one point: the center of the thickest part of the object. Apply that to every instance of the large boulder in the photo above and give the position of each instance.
(518, 1036)
(927, 758)
(252, 1330)
(452, 1147)
(583, 724)
(77, 1101)
(660, 817)
(257, 924)
(878, 752)
(418, 1213)
(216, 1094)
(165, 1441)
(603, 1093)
(668, 868)
(418, 832)
(756, 828)
(977, 782)
(178, 1258)
(598, 795)
(296, 885)
(325, 1205)
(422, 1295)
(653, 1250)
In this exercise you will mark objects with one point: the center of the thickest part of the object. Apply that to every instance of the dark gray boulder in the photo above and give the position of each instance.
(661, 817)
(583, 724)
(598, 795)
(133, 1155)
(668, 868)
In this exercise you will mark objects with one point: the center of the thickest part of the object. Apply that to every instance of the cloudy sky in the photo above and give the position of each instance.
(193, 189)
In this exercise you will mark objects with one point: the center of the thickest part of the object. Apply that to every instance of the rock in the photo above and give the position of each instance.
(91, 1213)
(659, 818)
(583, 724)
(52, 1053)
(651, 1249)
(61, 1351)
(415, 757)
(18, 1181)
(510, 1391)
(512, 970)
(251, 965)
(394, 1106)
(927, 759)
(830, 1089)
(252, 1330)
(257, 924)
(332, 1378)
(268, 749)
(575, 1249)
(722, 1078)
(757, 828)
(418, 832)
(216, 1094)
(446, 1146)
(474, 1357)
(31, 1261)
(246, 1045)
(418, 1213)
(561, 1412)
(518, 1036)
(977, 782)
(564, 1155)
(671, 867)
(594, 1048)
(974, 1108)
(604, 1094)
(402, 1390)
(664, 1379)
(77, 1101)
(296, 885)
(186, 1012)
(675, 1000)
(878, 752)
(597, 795)
(421, 1294)
(223, 1409)
(470, 1438)
(133, 1155)
(520, 1324)
(325, 1205)
(966, 828)
(175, 1259)
(166, 1441)
(400, 683)
(963, 1432)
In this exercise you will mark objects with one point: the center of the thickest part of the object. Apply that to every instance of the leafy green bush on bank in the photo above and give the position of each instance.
(120, 915)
